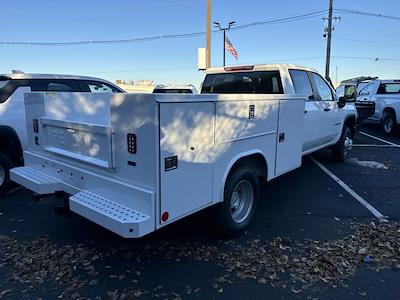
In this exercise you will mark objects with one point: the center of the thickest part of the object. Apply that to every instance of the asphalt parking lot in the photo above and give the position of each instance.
(301, 214)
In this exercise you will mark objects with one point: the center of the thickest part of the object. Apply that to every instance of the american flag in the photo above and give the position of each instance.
(230, 48)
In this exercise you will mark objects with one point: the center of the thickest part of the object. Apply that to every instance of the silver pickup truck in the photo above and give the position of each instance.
(385, 94)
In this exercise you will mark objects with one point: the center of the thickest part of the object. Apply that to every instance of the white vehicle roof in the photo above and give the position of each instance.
(176, 86)
(259, 67)
(390, 81)
(21, 75)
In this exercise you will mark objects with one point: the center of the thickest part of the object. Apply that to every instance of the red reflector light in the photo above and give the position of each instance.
(239, 68)
(165, 216)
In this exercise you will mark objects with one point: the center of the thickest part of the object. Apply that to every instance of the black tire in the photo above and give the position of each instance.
(389, 122)
(340, 151)
(232, 223)
(5, 166)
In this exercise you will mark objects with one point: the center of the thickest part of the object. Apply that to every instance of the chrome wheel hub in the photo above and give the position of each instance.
(242, 201)
(348, 144)
(388, 125)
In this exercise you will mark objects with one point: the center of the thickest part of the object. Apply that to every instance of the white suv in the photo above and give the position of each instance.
(13, 130)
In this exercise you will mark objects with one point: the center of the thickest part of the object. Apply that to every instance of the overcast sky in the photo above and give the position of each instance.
(357, 38)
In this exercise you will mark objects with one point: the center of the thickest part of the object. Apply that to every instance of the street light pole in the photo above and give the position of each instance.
(224, 29)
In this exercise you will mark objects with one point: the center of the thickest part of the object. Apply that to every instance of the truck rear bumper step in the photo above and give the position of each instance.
(35, 180)
(118, 218)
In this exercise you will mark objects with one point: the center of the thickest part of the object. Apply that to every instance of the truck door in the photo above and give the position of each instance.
(313, 129)
(186, 157)
(333, 117)
(368, 93)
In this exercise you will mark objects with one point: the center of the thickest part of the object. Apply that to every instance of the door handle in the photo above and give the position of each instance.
(327, 109)
(306, 111)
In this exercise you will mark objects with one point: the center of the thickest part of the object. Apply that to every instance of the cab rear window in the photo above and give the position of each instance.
(389, 88)
(259, 82)
(3, 83)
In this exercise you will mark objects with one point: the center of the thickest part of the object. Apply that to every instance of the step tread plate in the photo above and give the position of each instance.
(108, 208)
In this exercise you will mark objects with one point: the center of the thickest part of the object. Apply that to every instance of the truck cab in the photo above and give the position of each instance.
(323, 118)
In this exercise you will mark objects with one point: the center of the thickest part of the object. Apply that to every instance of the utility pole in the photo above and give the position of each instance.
(224, 29)
(329, 40)
(208, 35)
(328, 35)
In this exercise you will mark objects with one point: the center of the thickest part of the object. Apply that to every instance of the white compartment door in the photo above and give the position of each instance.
(290, 135)
(186, 157)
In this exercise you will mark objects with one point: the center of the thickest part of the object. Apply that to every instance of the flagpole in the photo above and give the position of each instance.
(223, 45)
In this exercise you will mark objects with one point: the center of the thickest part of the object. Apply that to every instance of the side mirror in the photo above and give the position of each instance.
(351, 98)
(342, 101)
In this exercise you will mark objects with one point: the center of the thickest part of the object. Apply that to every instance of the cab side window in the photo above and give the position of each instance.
(55, 85)
(301, 83)
(323, 88)
(8, 87)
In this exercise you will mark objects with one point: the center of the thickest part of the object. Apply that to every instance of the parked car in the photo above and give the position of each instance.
(349, 90)
(385, 94)
(141, 162)
(13, 133)
(175, 89)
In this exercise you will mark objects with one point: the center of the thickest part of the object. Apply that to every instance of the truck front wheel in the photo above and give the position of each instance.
(5, 166)
(241, 194)
(389, 122)
(341, 150)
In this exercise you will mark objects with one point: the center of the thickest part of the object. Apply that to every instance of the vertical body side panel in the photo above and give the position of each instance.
(290, 135)
(186, 157)
(239, 133)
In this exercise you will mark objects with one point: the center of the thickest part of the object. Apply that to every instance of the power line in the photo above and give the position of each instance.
(367, 42)
(283, 20)
(369, 58)
(166, 36)
(288, 19)
(357, 12)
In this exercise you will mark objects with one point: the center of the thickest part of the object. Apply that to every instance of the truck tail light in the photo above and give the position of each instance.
(239, 68)
(35, 124)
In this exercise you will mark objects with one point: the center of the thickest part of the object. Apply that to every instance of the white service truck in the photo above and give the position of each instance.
(385, 94)
(134, 163)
